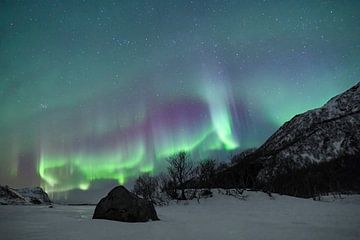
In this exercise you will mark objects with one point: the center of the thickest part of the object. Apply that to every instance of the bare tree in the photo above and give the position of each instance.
(207, 173)
(180, 170)
(146, 186)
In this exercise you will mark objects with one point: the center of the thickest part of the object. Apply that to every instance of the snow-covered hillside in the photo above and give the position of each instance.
(321, 134)
(14, 196)
(221, 217)
(10, 196)
(34, 195)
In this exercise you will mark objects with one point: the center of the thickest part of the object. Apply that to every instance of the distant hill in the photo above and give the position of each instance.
(20, 196)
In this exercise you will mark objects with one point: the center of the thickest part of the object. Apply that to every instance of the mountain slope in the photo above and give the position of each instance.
(23, 196)
(322, 134)
(10, 196)
(34, 195)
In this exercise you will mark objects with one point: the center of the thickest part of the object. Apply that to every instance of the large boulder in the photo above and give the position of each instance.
(122, 205)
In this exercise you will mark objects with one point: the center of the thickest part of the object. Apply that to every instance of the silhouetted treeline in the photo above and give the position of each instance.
(340, 175)
(243, 174)
(181, 180)
(183, 177)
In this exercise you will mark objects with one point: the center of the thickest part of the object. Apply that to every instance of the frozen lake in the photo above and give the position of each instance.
(220, 217)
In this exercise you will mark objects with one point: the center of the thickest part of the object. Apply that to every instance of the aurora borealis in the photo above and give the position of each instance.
(106, 90)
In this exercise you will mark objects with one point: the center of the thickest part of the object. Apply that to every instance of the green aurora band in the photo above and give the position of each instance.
(61, 172)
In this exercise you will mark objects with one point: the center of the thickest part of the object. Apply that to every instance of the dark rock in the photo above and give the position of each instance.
(122, 205)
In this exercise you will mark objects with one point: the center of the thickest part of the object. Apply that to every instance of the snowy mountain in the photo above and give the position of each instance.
(34, 195)
(10, 196)
(324, 134)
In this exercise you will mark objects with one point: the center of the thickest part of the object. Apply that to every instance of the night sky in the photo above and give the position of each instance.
(92, 91)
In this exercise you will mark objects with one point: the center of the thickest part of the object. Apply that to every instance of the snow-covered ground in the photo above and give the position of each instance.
(220, 217)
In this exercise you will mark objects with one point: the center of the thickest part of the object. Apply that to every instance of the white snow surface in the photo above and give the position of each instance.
(220, 217)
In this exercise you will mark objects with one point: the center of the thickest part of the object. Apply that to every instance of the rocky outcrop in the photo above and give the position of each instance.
(10, 196)
(34, 195)
(23, 196)
(322, 134)
(122, 205)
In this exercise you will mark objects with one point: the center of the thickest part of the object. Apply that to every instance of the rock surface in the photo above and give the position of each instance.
(122, 205)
